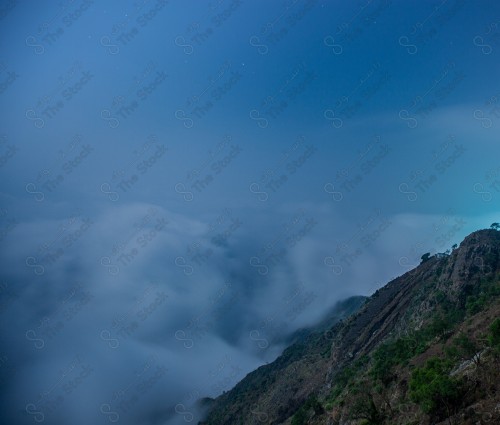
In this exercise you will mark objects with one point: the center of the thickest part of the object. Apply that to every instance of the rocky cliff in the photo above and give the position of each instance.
(424, 349)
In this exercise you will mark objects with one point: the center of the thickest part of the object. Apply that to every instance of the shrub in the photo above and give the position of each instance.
(494, 334)
(433, 388)
(425, 257)
(463, 348)
(300, 417)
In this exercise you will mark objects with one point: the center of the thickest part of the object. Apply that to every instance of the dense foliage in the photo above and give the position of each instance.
(433, 388)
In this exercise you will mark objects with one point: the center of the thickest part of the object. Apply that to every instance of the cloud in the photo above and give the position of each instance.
(118, 324)
(108, 320)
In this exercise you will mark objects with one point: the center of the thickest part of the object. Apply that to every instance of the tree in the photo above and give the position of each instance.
(494, 334)
(425, 257)
(362, 405)
(464, 348)
(383, 363)
(433, 388)
(302, 415)
(495, 226)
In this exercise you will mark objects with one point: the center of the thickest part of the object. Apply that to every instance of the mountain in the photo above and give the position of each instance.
(424, 349)
(278, 382)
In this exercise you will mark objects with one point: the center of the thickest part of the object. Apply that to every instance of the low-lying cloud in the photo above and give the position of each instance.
(134, 314)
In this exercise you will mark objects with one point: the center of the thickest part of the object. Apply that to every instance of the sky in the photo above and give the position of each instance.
(184, 184)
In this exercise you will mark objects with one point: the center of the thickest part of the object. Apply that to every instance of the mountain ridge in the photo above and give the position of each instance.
(375, 351)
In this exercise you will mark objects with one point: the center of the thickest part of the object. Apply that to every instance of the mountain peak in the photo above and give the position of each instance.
(483, 236)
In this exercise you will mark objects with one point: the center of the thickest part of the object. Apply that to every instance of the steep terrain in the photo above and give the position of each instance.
(278, 383)
(424, 349)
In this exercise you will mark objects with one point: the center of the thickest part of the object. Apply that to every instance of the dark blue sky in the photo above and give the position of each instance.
(186, 183)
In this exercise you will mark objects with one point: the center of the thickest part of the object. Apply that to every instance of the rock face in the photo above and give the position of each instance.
(404, 302)
(338, 376)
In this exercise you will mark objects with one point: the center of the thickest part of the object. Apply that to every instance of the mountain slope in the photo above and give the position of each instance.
(279, 383)
(423, 349)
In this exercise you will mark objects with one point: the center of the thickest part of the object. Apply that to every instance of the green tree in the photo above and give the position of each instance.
(301, 416)
(433, 388)
(425, 257)
(383, 362)
(363, 407)
(464, 348)
(495, 226)
(494, 334)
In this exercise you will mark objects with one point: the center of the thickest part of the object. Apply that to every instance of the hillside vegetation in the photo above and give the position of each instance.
(424, 349)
